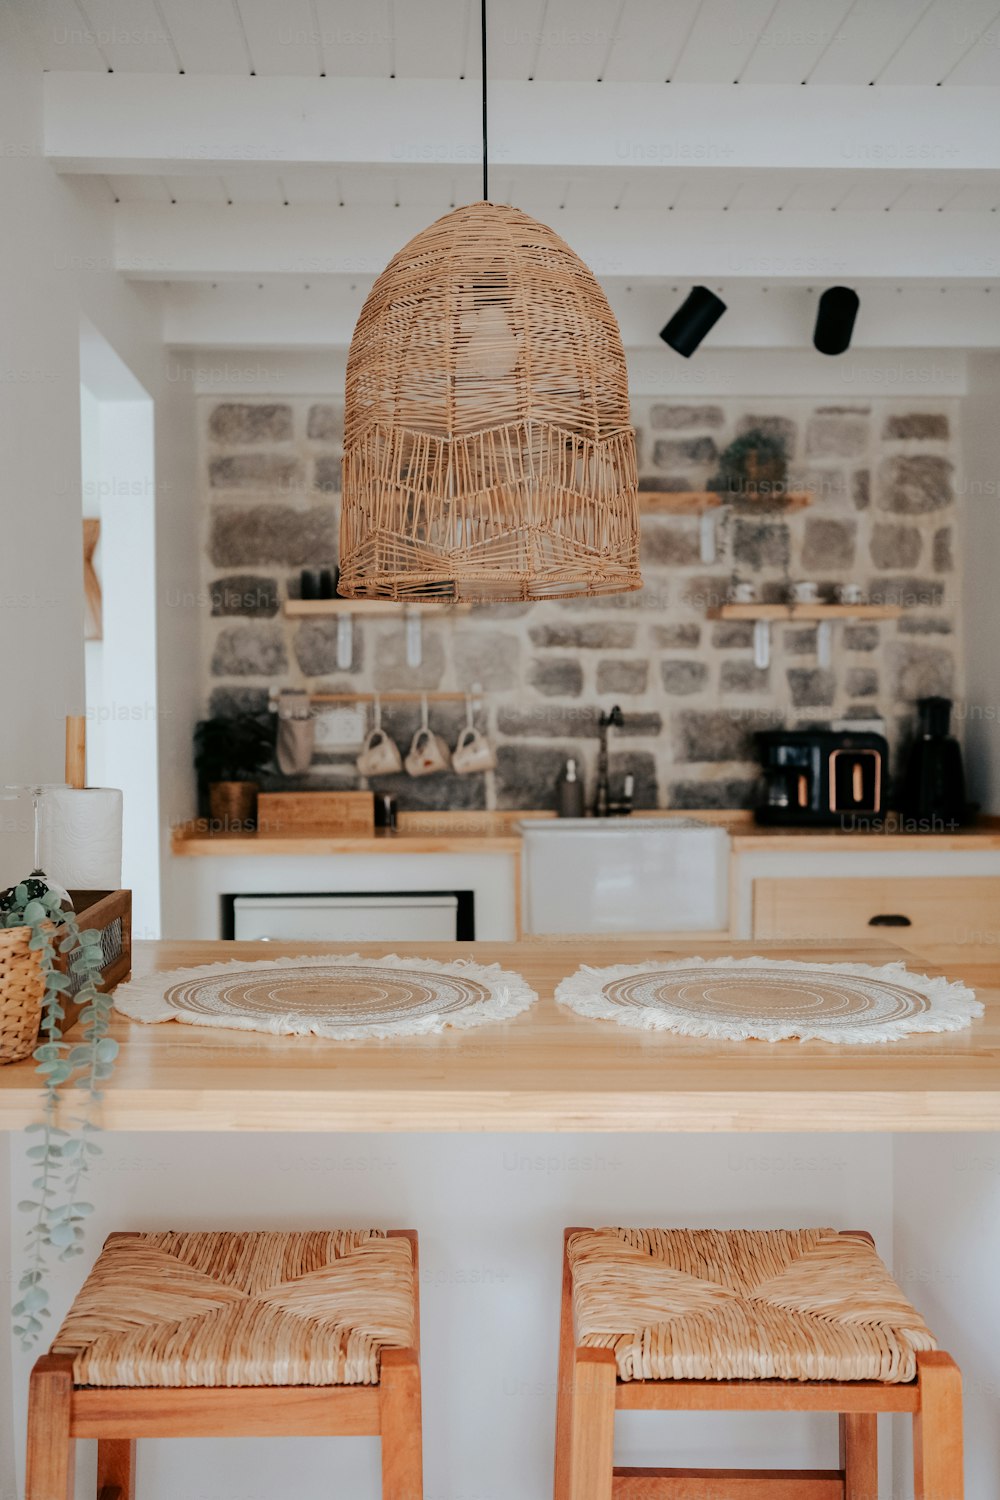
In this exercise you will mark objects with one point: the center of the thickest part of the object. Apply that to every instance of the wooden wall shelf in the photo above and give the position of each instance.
(302, 609)
(825, 616)
(779, 612)
(696, 502)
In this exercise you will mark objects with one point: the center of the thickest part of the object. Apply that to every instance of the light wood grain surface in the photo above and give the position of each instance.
(418, 833)
(498, 832)
(889, 837)
(546, 1070)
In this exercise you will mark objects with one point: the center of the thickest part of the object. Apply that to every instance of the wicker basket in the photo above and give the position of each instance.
(22, 989)
(22, 986)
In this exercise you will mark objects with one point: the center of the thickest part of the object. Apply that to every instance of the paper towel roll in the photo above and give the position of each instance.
(80, 837)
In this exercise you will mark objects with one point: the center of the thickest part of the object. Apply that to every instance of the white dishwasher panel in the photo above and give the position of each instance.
(622, 875)
(346, 919)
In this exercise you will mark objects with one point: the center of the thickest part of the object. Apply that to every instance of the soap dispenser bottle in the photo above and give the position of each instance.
(569, 792)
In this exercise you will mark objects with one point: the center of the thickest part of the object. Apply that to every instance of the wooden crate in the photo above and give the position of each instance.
(110, 912)
(321, 814)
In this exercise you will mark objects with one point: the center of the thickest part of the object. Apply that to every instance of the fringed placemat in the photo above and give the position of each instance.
(770, 999)
(329, 995)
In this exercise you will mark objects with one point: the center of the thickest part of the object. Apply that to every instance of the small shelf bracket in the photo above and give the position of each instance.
(345, 642)
(824, 643)
(707, 536)
(762, 644)
(414, 638)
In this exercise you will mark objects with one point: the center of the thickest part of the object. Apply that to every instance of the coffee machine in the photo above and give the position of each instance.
(933, 786)
(821, 776)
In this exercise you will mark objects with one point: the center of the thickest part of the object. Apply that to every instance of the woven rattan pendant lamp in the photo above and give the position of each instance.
(488, 450)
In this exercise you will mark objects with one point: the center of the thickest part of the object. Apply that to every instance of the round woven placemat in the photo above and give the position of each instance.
(770, 1000)
(334, 996)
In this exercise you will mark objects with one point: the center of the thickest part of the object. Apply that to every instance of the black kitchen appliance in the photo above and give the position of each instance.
(933, 788)
(821, 776)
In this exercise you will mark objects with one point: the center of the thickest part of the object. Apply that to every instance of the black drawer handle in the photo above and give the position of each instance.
(890, 919)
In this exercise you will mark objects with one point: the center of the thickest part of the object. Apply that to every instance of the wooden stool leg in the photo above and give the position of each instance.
(593, 1449)
(937, 1429)
(115, 1469)
(859, 1455)
(402, 1441)
(564, 1388)
(50, 1448)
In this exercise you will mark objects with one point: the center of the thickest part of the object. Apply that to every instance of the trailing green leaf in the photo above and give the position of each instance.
(58, 1211)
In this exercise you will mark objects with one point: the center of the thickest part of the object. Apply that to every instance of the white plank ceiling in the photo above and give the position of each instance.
(881, 42)
(840, 140)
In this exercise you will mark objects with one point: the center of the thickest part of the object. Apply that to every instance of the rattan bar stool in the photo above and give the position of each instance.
(734, 1320)
(259, 1334)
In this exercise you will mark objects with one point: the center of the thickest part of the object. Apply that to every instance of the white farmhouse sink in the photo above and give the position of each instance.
(587, 875)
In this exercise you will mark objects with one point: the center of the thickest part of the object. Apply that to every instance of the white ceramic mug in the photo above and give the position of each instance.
(806, 592)
(379, 754)
(428, 752)
(473, 751)
(850, 593)
(743, 593)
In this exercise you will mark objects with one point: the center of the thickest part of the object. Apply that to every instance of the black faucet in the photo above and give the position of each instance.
(602, 796)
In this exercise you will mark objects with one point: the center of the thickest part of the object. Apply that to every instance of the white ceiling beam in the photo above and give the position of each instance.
(195, 241)
(714, 373)
(146, 122)
(287, 314)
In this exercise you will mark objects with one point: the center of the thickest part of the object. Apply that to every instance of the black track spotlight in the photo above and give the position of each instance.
(838, 308)
(696, 316)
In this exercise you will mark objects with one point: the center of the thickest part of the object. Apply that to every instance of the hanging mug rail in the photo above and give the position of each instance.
(476, 695)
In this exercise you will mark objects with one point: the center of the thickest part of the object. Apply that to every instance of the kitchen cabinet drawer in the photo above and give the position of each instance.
(935, 910)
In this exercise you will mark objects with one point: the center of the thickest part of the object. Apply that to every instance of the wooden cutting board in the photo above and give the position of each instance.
(336, 814)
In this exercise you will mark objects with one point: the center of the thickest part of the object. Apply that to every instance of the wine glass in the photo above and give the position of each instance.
(37, 789)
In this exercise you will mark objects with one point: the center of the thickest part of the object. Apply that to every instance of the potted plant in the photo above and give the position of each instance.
(755, 466)
(54, 961)
(229, 754)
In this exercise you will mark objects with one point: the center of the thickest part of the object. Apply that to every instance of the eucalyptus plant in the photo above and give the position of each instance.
(61, 1156)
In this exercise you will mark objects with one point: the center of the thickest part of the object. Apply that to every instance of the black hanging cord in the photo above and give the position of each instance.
(486, 170)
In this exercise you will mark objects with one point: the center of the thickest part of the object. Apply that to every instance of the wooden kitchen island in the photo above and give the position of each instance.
(546, 1070)
(491, 1140)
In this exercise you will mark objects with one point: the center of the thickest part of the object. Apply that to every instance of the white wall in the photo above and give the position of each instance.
(56, 267)
(119, 488)
(981, 479)
(946, 1259)
(122, 707)
(56, 262)
(93, 651)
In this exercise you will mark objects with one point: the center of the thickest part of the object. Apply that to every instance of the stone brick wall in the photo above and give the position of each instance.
(884, 513)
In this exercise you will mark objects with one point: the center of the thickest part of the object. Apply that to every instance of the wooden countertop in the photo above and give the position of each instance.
(890, 836)
(418, 833)
(498, 833)
(547, 1070)
(382, 841)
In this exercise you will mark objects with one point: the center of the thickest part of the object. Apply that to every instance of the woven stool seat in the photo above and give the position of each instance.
(682, 1304)
(241, 1309)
